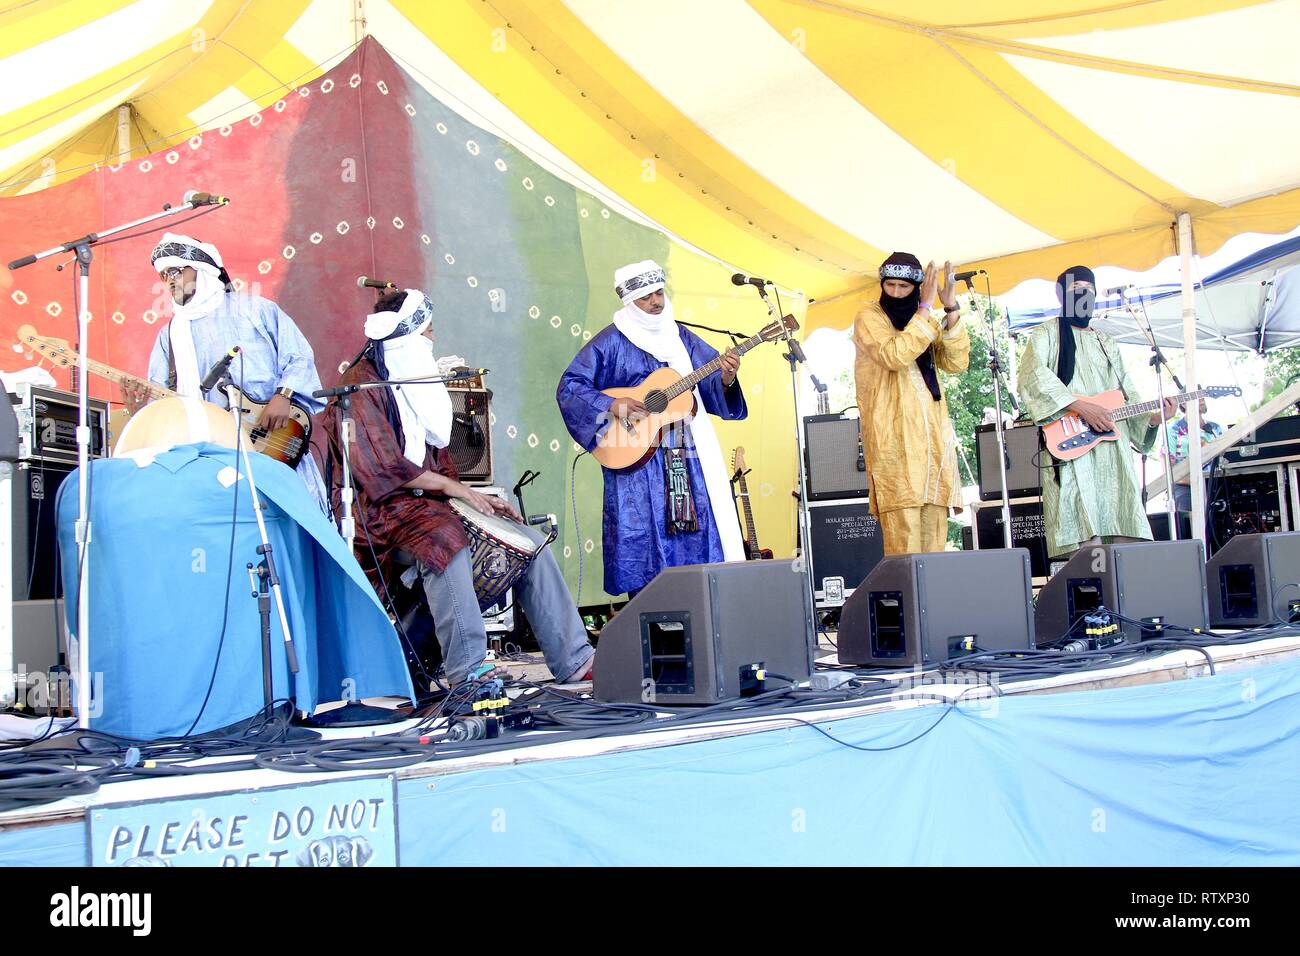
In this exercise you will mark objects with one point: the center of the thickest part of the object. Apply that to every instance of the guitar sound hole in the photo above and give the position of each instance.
(655, 402)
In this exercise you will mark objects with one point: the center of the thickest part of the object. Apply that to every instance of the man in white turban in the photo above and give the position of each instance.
(405, 478)
(275, 366)
(676, 507)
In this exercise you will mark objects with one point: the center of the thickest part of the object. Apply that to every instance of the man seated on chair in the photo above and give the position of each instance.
(404, 478)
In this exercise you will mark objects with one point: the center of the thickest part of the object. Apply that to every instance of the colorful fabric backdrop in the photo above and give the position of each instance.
(363, 172)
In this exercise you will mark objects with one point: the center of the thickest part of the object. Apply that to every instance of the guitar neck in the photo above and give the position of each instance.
(1146, 408)
(707, 369)
(750, 534)
(117, 375)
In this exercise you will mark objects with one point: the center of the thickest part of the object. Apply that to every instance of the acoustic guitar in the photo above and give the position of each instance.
(287, 443)
(1070, 437)
(669, 398)
(738, 472)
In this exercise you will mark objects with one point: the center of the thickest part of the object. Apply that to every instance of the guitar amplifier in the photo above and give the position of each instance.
(846, 544)
(1024, 479)
(471, 434)
(47, 424)
(1027, 531)
(834, 461)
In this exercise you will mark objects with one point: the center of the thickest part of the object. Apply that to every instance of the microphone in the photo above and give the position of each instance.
(542, 519)
(741, 279)
(363, 282)
(796, 350)
(967, 276)
(217, 371)
(196, 198)
(1119, 289)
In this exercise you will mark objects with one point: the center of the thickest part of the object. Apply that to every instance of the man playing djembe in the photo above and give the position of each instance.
(405, 479)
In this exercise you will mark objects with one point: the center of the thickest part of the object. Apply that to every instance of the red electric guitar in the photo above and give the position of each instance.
(1070, 437)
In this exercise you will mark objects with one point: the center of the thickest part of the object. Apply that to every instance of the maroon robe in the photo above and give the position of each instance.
(395, 518)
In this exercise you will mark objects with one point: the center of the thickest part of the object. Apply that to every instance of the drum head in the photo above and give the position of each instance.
(502, 529)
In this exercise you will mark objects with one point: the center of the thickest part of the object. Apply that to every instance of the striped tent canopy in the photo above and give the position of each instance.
(797, 139)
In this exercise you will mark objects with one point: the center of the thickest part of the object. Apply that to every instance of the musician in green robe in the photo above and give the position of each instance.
(1096, 498)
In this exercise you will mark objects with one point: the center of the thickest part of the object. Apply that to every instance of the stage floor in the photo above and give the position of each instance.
(73, 831)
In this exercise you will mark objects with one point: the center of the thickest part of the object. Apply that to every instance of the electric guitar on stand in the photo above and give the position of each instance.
(741, 490)
(287, 443)
(1070, 437)
(669, 397)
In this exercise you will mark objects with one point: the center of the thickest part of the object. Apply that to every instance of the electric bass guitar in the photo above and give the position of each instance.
(1070, 437)
(287, 443)
(669, 398)
(738, 472)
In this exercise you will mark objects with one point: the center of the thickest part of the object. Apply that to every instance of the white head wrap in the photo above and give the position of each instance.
(177, 251)
(424, 410)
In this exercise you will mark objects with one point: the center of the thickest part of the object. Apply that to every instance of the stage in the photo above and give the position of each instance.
(1181, 758)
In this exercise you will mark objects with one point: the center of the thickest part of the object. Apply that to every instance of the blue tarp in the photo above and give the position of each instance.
(1197, 772)
(160, 551)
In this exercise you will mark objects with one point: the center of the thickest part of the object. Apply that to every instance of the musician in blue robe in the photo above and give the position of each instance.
(275, 364)
(676, 508)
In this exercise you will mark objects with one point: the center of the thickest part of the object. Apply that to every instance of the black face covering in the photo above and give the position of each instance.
(900, 311)
(1076, 313)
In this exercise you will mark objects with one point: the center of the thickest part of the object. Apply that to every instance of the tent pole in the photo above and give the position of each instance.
(1197, 476)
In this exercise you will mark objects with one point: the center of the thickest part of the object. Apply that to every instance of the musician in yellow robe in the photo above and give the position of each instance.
(907, 436)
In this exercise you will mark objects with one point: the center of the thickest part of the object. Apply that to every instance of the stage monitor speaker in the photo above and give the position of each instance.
(835, 463)
(1143, 581)
(923, 609)
(699, 634)
(1023, 474)
(1255, 579)
(471, 434)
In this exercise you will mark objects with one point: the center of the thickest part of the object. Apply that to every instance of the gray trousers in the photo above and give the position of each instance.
(545, 599)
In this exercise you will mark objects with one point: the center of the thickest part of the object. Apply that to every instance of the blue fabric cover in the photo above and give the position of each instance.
(159, 553)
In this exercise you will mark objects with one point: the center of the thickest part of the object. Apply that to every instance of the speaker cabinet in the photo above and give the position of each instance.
(1141, 581)
(834, 461)
(1027, 531)
(471, 434)
(923, 609)
(1255, 579)
(696, 635)
(846, 544)
(1023, 474)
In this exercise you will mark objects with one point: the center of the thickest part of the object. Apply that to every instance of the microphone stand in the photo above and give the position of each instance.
(344, 393)
(1157, 361)
(794, 356)
(82, 247)
(264, 576)
(995, 370)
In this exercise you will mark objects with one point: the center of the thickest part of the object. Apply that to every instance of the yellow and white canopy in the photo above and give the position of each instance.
(798, 139)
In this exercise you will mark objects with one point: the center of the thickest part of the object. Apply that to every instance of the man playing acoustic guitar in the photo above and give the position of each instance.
(1096, 498)
(674, 508)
